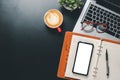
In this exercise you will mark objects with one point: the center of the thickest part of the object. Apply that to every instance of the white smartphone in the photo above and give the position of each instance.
(83, 58)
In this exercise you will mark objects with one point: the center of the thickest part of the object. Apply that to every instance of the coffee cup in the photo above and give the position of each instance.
(53, 18)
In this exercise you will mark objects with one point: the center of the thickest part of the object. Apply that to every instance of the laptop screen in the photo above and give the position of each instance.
(113, 5)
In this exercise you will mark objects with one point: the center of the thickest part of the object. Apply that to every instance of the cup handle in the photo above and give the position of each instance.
(59, 29)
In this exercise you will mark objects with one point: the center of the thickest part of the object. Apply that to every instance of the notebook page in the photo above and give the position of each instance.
(71, 57)
(101, 72)
(114, 60)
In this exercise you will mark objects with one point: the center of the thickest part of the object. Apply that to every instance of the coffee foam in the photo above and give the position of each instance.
(53, 18)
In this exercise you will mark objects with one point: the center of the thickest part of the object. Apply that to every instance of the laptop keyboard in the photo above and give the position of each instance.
(97, 14)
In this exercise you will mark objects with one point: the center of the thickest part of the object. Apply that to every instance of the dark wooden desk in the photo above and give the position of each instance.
(28, 49)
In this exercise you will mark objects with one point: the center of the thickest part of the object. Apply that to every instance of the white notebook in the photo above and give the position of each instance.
(98, 69)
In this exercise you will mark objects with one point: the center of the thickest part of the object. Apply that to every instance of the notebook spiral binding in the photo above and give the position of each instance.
(98, 56)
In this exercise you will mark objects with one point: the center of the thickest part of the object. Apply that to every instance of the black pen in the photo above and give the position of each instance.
(107, 63)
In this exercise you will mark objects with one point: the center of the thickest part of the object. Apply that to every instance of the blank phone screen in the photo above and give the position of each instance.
(83, 58)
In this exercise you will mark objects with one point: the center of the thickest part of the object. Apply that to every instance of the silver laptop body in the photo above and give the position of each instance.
(83, 14)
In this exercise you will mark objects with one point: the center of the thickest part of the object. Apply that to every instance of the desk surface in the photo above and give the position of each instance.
(28, 49)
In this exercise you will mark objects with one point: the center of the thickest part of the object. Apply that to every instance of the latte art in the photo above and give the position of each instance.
(52, 18)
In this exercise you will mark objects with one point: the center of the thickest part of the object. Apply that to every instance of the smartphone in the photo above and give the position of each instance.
(83, 58)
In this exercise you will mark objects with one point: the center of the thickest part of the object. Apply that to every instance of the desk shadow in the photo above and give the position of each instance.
(54, 31)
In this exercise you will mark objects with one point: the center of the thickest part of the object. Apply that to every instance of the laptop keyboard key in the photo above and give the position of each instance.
(117, 36)
(96, 14)
(110, 32)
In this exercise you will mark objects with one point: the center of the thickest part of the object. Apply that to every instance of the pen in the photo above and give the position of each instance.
(107, 63)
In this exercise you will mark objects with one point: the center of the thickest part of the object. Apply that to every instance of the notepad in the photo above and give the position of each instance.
(98, 63)
(97, 69)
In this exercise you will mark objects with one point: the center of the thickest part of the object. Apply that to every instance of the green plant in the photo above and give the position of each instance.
(71, 4)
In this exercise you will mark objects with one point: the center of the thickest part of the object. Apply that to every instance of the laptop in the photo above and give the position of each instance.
(101, 11)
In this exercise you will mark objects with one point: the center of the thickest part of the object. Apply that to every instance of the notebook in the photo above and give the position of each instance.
(98, 68)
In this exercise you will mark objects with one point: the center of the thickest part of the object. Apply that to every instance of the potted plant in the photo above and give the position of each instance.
(71, 4)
